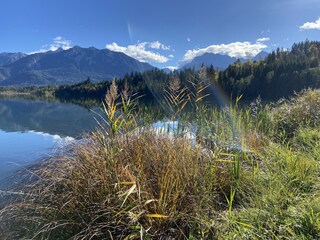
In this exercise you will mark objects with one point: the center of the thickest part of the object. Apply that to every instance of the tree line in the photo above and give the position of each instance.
(282, 73)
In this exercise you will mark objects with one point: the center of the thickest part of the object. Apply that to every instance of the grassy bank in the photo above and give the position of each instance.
(221, 174)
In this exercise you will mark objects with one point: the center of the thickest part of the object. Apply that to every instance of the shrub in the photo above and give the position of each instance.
(301, 110)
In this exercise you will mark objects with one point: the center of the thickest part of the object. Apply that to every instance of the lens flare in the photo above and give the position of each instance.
(221, 99)
(130, 32)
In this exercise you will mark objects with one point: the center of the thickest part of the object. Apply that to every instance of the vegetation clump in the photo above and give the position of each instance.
(300, 110)
(232, 181)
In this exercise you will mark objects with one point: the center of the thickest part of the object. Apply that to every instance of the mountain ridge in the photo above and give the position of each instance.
(7, 58)
(69, 66)
(219, 61)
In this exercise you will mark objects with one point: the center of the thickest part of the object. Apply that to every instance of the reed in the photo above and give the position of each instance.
(126, 181)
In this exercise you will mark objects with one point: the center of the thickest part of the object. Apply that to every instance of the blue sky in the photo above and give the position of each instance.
(163, 33)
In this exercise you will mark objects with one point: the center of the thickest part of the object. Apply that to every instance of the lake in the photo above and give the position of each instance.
(30, 130)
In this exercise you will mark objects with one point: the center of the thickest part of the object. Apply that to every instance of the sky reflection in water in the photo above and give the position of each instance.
(30, 130)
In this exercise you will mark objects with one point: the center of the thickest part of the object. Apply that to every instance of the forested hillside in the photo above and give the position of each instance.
(282, 73)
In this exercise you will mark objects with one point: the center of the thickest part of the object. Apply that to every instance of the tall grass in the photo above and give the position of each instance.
(129, 182)
(284, 203)
(147, 184)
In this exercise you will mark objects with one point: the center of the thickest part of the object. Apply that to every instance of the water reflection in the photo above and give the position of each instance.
(30, 130)
(19, 149)
(63, 119)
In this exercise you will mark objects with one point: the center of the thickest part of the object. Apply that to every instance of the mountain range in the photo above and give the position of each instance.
(77, 64)
(68, 66)
(219, 61)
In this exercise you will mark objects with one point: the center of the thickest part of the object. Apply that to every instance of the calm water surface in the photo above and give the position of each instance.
(30, 130)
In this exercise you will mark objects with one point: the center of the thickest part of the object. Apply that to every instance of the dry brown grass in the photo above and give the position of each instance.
(143, 184)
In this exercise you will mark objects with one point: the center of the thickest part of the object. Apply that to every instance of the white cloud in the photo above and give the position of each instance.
(58, 42)
(311, 25)
(171, 56)
(188, 39)
(55, 137)
(237, 49)
(171, 68)
(141, 51)
(264, 39)
(157, 45)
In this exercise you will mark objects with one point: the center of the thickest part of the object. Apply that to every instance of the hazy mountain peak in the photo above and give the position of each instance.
(220, 61)
(60, 49)
(215, 59)
(260, 56)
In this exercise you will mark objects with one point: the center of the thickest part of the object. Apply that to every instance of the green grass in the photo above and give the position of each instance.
(248, 174)
(285, 203)
(301, 109)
